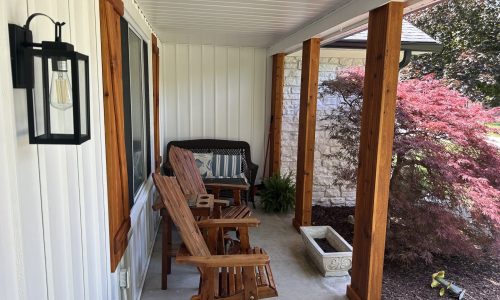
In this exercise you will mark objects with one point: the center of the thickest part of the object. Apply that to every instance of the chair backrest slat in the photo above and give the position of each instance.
(186, 171)
(181, 215)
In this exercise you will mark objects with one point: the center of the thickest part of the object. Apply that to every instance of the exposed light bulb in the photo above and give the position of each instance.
(61, 96)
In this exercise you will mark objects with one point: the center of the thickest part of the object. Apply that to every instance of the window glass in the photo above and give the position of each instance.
(137, 110)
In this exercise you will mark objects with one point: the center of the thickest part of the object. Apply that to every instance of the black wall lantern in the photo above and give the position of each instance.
(56, 79)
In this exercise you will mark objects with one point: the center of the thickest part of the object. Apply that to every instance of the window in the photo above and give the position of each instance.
(136, 108)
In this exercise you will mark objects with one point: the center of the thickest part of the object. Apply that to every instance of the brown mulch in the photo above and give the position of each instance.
(480, 277)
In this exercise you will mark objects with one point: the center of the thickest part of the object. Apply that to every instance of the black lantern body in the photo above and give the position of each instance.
(56, 79)
(48, 123)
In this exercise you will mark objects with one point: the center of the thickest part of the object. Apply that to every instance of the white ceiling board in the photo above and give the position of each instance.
(208, 37)
(280, 25)
(258, 23)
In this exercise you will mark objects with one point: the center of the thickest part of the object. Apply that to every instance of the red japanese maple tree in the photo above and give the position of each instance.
(445, 180)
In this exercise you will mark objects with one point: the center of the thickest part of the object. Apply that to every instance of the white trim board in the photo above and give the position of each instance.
(342, 22)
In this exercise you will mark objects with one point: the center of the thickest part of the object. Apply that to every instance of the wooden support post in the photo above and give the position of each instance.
(307, 129)
(156, 101)
(375, 155)
(278, 80)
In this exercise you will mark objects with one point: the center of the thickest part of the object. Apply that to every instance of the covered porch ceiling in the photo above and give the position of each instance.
(280, 25)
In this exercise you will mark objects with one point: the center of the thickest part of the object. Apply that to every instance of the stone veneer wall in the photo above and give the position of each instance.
(324, 192)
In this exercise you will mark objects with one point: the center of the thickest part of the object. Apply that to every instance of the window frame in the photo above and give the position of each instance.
(133, 196)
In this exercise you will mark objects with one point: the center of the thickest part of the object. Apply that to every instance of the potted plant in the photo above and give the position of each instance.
(278, 194)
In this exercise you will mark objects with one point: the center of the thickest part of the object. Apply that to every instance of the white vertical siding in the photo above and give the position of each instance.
(208, 92)
(261, 115)
(55, 192)
(11, 242)
(54, 236)
(195, 91)
(214, 92)
(221, 94)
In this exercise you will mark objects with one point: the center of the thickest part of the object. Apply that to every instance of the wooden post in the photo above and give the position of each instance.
(375, 155)
(278, 80)
(307, 129)
(156, 101)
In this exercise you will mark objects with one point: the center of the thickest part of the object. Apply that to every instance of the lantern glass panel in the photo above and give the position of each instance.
(38, 98)
(82, 89)
(60, 96)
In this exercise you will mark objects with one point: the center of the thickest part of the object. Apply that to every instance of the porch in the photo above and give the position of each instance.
(294, 272)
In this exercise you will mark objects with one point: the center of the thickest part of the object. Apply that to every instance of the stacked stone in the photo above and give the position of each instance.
(325, 193)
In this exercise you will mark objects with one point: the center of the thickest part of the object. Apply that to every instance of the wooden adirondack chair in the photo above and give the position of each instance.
(245, 276)
(186, 171)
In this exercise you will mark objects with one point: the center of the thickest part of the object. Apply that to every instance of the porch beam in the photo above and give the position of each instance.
(343, 17)
(341, 22)
(278, 79)
(375, 152)
(307, 130)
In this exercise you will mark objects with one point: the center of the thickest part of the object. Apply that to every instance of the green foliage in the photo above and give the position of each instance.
(469, 33)
(278, 195)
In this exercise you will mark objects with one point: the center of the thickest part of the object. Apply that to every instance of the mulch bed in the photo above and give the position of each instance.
(480, 278)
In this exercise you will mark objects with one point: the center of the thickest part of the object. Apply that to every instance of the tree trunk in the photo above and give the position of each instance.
(393, 188)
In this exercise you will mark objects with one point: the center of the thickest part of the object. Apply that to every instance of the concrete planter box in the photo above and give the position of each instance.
(333, 263)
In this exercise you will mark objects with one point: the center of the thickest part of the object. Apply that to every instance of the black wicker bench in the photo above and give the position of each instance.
(225, 147)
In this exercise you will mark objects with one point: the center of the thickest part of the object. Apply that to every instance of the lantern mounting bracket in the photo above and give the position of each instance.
(58, 25)
(20, 38)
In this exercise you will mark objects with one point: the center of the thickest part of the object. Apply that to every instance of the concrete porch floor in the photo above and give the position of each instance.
(296, 276)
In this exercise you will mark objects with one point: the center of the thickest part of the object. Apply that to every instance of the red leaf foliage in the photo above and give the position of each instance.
(445, 181)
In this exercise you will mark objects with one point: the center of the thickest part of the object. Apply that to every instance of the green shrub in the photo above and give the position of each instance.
(278, 195)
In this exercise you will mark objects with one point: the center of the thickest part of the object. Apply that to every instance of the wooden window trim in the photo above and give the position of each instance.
(156, 101)
(110, 12)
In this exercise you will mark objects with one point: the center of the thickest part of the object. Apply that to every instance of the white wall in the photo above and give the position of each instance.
(54, 241)
(214, 92)
(56, 197)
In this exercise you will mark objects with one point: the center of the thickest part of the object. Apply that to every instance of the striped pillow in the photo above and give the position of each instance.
(226, 166)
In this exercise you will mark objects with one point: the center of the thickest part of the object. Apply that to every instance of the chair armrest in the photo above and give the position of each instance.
(226, 186)
(253, 172)
(158, 204)
(245, 222)
(222, 203)
(167, 168)
(252, 166)
(216, 261)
